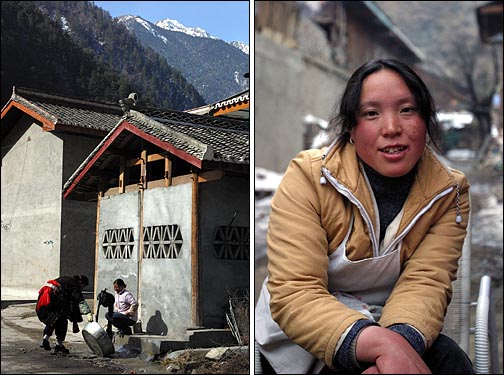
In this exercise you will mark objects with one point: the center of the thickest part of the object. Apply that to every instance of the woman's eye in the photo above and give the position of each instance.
(408, 110)
(370, 113)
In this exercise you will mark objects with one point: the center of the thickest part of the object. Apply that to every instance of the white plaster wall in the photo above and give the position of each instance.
(31, 182)
(166, 283)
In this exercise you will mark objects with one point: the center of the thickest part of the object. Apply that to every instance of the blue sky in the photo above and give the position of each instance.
(227, 20)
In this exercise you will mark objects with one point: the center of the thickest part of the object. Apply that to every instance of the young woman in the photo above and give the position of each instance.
(364, 239)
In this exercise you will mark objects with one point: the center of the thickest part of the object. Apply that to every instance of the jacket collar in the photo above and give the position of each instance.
(432, 177)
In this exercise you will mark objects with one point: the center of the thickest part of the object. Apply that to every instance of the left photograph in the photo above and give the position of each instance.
(125, 187)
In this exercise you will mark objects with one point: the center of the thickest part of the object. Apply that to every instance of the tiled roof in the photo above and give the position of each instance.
(204, 138)
(236, 106)
(60, 110)
(228, 140)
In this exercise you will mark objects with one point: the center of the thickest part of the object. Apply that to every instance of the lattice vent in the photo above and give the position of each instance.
(118, 243)
(162, 241)
(232, 242)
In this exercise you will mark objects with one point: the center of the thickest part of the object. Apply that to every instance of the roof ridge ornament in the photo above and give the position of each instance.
(128, 103)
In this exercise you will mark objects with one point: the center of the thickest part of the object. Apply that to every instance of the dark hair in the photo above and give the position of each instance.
(82, 279)
(344, 121)
(120, 282)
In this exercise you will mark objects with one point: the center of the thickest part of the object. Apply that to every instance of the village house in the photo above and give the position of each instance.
(173, 214)
(45, 137)
(159, 198)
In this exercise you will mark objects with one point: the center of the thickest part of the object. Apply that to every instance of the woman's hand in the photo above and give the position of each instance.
(389, 352)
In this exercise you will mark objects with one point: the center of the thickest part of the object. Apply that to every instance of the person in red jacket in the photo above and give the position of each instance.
(59, 301)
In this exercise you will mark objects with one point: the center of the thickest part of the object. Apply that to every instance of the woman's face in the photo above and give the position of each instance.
(390, 134)
(118, 288)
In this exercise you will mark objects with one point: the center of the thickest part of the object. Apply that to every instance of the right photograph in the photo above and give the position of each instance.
(378, 187)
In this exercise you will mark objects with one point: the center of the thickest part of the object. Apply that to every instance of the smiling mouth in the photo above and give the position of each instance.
(393, 150)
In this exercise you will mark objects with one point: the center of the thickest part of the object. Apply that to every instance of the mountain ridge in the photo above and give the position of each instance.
(75, 49)
(214, 67)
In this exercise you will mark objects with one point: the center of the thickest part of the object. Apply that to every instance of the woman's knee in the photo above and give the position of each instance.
(445, 356)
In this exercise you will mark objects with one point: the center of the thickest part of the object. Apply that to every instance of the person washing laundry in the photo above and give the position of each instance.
(125, 309)
(61, 300)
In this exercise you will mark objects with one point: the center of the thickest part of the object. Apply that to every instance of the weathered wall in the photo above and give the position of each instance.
(118, 212)
(166, 282)
(78, 218)
(219, 201)
(31, 184)
(161, 284)
(162, 279)
(288, 86)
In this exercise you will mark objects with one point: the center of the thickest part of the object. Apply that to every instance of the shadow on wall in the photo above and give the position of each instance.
(156, 325)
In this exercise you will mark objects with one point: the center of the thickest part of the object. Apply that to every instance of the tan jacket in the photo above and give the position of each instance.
(309, 220)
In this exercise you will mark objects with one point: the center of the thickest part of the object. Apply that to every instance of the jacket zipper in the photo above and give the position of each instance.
(345, 192)
(415, 219)
(348, 194)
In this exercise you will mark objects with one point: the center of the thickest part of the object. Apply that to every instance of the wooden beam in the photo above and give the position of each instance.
(155, 157)
(133, 162)
(150, 158)
(210, 176)
(122, 168)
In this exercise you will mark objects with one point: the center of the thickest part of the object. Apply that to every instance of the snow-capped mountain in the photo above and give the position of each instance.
(241, 46)
(174, 25)
(214, 67)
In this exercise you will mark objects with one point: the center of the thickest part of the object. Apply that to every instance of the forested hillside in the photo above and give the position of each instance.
(74, 48)
(214, 67)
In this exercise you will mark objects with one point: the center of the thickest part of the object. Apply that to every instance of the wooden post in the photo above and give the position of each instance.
(143, 182)
(101, 189)
(140, 250)
(195, 276)
(143, 169)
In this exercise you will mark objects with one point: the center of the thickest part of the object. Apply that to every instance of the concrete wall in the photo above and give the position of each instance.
(118, 212)
(162, 286)
(288, 87)
(219, 200)
(166, 282)
(31, 184)
(78, 223)
(43, 236)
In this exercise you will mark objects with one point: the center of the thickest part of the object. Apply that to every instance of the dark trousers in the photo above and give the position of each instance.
(60, 326)
(120, 321)
(443, 357)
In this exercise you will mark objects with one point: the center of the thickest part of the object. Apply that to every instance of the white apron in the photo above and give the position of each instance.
(363, 285)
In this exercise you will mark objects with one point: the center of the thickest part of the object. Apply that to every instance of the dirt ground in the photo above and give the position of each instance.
(194, 362)
(21, 354)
